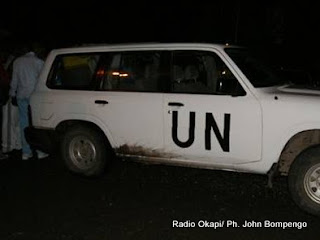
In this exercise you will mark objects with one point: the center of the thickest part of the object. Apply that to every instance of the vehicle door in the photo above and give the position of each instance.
(130, 101)
(209, 116)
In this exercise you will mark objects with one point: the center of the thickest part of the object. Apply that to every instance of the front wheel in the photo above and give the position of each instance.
(84, 151)
(304, 180)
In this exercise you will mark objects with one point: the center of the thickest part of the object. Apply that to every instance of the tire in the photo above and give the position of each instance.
(304, 180)
(84, 151)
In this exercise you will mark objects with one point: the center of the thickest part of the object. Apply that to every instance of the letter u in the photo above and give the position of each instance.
(192, 121)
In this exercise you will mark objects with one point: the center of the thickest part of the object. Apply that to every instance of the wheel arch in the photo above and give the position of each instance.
(64, 125)
(295, 145)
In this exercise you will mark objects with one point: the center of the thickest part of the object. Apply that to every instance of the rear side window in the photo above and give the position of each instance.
(73, 72)
(131, 71)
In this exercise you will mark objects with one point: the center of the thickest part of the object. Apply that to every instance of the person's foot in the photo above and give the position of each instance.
(26, 156)
(3, 156)
(42, 155)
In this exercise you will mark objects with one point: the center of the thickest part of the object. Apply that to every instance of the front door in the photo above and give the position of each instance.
(208, 117)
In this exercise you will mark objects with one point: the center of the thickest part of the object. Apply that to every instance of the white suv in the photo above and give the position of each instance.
(201, 105)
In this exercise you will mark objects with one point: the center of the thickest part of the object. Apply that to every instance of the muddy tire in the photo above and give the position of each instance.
(84, 151)
(304, 180)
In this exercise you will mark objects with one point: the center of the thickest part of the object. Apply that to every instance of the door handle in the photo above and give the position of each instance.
(100, 102)
(175, 104)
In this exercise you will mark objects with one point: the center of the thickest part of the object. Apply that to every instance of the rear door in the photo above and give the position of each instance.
(130, 101)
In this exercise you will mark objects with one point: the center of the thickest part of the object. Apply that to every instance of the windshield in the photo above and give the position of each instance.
(254, 67)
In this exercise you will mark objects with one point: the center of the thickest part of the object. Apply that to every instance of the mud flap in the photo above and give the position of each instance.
(271, 174)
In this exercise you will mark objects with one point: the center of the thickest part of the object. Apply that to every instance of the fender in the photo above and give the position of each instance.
(85, 117)
(273, 156)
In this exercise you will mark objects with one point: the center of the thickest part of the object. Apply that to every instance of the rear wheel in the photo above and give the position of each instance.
(84, 151)
(304, 180)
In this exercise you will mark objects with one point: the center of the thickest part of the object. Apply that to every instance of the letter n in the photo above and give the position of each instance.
(174, 131)
(223, 141)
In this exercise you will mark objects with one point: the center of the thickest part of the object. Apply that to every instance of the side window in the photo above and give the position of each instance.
(75, 72)
(130, 71)
(202, 72)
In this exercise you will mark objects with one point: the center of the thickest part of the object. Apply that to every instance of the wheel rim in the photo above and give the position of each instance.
(82, 152)
(312, 183)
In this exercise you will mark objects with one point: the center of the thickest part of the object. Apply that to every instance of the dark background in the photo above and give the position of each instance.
(255, 23)
(39, 200)
(288, 31)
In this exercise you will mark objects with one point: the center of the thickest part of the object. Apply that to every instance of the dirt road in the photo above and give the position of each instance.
(41, 200)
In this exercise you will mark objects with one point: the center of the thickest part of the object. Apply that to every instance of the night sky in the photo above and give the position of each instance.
(275, 25)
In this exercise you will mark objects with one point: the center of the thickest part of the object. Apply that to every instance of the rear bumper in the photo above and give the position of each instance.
(42, 139)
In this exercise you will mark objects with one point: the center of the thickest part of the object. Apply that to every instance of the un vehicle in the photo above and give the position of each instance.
(199, 105)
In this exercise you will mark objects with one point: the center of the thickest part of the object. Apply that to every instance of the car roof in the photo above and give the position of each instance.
(140, 46)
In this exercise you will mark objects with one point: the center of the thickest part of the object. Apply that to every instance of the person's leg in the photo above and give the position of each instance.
(24, 122)
(14, 131)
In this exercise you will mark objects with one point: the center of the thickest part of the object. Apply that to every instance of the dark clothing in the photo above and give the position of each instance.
(4, 85)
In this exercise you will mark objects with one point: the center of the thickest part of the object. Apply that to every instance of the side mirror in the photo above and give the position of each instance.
(230, 87)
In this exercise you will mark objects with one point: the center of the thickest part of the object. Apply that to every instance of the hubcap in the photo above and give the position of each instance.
(82, 152)
(312, 183)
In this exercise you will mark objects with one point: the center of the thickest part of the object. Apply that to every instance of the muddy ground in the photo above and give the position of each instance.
(39, 199)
